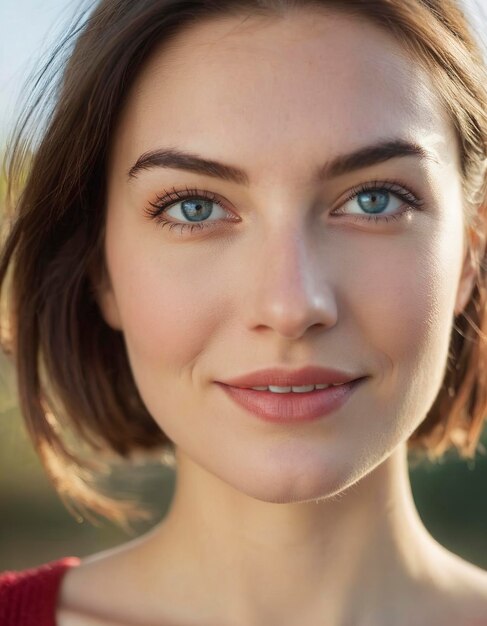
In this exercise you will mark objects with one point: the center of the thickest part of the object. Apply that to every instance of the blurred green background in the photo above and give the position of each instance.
(35, 527)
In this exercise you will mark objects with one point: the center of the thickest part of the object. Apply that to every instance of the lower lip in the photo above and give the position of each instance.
(292, 407)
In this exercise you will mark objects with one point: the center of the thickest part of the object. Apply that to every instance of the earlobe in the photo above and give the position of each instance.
(475, 244)
(109, 308)
(464, 291)
(467, 281)
(106, 300)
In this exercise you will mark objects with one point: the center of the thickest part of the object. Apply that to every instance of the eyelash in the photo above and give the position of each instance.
(165, 200)
(412, 201)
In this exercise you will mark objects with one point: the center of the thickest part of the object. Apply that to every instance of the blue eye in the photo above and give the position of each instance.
(379, 202)
(192, 205)
(192, 208)
(195, 210)
(373, 201)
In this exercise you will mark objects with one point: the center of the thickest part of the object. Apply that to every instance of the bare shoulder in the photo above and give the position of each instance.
(80, 602)
(446, 590)
(467, 593)
(107, 589)
(66, 617)
(476, 596)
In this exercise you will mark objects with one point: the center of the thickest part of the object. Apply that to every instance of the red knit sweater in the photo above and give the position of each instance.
(29, 597)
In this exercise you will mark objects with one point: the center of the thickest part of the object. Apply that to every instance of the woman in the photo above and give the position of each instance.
(253, 234)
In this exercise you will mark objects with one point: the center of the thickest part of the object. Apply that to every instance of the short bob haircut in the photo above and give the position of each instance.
(73, 374)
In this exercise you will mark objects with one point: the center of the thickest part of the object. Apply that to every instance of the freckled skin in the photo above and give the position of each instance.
(289, 284)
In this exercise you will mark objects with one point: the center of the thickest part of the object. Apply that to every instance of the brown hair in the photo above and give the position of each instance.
(74, 379)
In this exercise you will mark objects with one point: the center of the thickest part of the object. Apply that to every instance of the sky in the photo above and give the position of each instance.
(30, 28)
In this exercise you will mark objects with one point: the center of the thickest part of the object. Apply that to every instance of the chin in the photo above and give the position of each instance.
(285, 483)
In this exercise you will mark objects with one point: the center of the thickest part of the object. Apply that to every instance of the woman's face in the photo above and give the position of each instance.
(291, 268)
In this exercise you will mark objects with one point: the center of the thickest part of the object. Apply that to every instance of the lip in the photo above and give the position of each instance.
(309, 375)
(292, 407)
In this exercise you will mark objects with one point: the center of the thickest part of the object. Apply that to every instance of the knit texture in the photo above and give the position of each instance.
(29, 597)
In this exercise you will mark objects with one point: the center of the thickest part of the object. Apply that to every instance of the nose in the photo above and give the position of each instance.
(290, 291)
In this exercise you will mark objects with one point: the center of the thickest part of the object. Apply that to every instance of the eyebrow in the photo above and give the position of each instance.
(343, 164)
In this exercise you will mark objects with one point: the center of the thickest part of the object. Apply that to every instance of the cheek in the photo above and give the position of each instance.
(166, 312)
(169, 306)
(403, 301)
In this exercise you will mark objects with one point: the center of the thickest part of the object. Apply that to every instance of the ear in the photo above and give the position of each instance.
(466, 285)
(105, 298)
(109, 308)
(474, 253)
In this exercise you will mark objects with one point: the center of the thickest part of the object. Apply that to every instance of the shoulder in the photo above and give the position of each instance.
(29, 596)
(475, 598)
(465, 596)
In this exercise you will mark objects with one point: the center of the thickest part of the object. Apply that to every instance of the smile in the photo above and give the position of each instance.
(292, 389)
(292, 404)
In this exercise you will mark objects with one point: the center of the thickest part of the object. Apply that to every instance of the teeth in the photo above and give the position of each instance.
(295, 389)
(303, 389)
(276, 389)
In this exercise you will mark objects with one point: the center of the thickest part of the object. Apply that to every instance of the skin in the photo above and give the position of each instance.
(278, 524)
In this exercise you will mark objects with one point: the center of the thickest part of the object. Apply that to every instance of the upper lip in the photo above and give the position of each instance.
(309, 375)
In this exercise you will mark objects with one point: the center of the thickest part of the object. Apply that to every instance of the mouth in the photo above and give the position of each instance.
(292, 388)
(280, 379)
(293, 403)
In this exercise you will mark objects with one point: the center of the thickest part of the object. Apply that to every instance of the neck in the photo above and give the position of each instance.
(338, 558)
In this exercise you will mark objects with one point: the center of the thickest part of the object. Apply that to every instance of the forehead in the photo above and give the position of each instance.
(306, 83)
